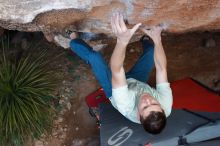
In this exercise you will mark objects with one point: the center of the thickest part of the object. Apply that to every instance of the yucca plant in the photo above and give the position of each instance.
(26, 87)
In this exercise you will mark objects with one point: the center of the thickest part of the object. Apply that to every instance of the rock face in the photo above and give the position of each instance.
(53, 16)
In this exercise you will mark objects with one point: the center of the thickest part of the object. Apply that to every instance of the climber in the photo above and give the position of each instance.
(129, 93)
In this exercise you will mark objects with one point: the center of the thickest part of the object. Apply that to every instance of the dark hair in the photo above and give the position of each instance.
(154, 123)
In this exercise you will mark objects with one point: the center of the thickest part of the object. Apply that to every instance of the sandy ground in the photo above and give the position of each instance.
(188, 55)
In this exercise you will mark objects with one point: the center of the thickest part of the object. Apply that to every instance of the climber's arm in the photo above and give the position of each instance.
(159, 54)
(123, 35)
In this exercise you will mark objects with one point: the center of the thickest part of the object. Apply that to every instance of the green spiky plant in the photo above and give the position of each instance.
(25, 98)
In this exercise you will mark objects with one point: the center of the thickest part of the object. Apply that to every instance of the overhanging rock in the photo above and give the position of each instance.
(53, 16)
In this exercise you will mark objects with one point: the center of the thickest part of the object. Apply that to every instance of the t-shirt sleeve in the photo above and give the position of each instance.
(122, 100)
(166, 97)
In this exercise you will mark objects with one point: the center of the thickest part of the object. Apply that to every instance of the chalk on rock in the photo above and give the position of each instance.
(164, 26)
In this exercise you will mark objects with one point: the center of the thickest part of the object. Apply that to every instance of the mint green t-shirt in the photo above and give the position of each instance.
(126, 98)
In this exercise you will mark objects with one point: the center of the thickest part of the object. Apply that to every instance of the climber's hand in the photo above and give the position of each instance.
(119, 28)
(154, 32)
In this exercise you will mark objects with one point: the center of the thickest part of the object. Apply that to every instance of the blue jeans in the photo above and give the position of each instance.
(140, 71)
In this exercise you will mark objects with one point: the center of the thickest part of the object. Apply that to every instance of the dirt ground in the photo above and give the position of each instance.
(193, 55)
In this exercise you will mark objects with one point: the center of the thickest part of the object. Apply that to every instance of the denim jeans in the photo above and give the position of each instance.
(140, 71)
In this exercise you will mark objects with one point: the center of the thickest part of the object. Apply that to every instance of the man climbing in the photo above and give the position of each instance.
(129, 93)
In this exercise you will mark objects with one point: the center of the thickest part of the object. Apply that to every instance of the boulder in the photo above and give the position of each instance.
(54, 16)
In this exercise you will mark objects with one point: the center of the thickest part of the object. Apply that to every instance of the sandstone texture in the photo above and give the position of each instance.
(54, 16)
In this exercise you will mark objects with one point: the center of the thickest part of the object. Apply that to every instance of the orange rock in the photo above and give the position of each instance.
(93, 16)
